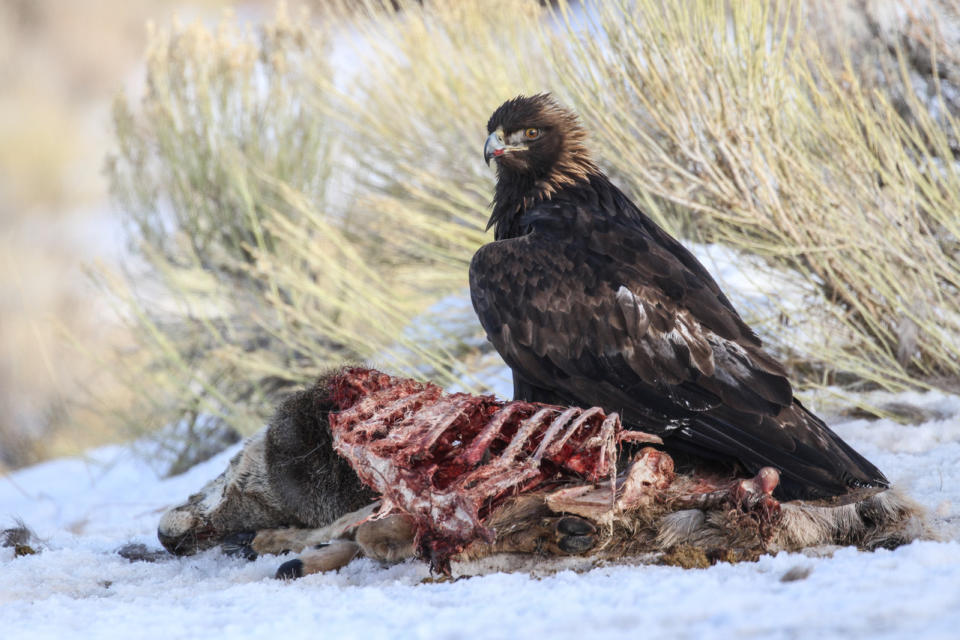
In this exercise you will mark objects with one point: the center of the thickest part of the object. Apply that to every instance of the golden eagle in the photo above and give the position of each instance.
(591, 303)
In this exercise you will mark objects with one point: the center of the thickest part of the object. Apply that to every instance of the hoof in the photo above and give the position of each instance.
(576, 544)
(239, 545)
(574, 526)
(290, 570)
(575, 535)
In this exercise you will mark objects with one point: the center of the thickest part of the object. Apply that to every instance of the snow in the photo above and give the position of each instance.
(85, 509)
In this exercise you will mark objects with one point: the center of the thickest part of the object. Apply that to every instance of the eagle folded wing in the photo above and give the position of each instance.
(561, 323)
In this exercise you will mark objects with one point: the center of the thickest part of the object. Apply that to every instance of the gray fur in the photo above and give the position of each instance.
(289, 486)
(309, 479)
(287, 475)
(239, 499)
(888, 519)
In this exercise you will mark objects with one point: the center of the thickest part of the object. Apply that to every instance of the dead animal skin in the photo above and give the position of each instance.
(287, 475)
(288, 491)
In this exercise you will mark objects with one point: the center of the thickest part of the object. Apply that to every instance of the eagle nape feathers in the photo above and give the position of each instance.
(591, 303)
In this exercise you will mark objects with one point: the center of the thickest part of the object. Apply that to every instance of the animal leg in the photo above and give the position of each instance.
(749, 510)
(328, 557)
(647, 477)
(525, 524)
(250, 544)
(749, 494)
(557, 535)
(388, 539)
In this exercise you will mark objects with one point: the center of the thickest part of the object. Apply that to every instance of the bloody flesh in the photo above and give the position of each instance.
(448, 460)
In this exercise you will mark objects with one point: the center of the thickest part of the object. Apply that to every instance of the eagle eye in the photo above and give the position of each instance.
(532, 133)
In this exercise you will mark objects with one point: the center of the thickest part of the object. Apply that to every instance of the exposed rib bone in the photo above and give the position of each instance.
(401, 406)
(584, 418)
(446, 459)
(527, 427)
(494, 428)
(558, 423)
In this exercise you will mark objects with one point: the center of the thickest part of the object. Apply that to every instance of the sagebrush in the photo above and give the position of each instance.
(293, 211)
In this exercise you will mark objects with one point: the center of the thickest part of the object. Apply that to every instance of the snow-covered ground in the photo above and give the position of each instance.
(83, 510)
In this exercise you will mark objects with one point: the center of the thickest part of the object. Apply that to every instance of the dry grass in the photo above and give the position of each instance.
(780, 154)
(61, 63)
(291, 217)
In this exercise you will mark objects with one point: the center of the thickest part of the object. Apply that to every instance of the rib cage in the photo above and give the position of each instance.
(448, 460)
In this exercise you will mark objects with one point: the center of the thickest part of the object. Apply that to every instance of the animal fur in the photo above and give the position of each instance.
(287, 475)
(287, 490)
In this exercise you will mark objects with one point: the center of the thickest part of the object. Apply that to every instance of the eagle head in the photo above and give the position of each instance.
(538, 146)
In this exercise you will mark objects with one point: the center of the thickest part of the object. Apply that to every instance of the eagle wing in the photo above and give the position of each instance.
(625, 318)
(634, 319)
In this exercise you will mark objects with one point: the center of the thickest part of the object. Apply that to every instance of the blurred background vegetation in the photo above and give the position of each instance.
(61, 64)
(306, 189)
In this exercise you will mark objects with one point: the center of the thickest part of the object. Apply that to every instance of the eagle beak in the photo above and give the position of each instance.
(493, 148)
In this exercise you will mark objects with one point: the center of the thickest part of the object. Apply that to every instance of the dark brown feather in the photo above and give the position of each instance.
(591, 303)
